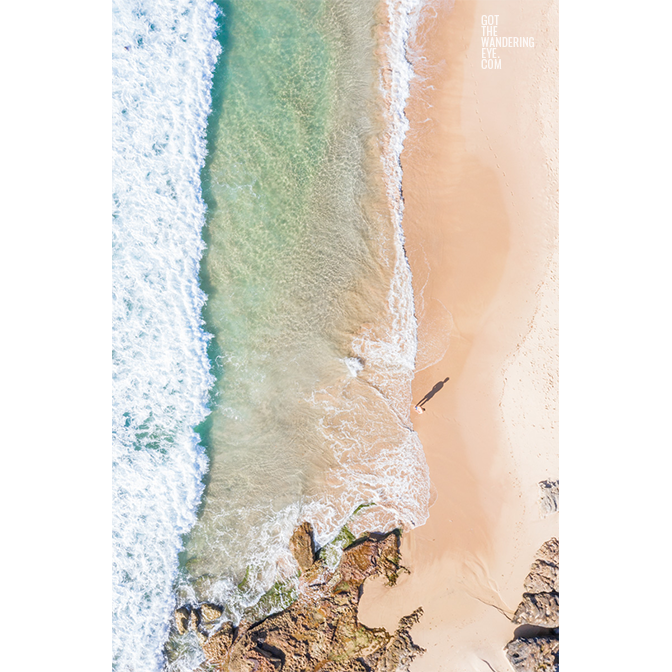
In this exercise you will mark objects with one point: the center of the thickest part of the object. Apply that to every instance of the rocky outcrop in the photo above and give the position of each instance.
(534, 654)
(209, 615)
(302, 546)
(541, 609)
(539, 612)
(540, 605)
(320, 630)
(182, 620)
(400, 651)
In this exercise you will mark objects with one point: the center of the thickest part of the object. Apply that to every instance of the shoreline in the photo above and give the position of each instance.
(480, 222)
(388, 346)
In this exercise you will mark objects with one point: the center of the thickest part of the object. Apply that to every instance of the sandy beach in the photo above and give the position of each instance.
(480, 186)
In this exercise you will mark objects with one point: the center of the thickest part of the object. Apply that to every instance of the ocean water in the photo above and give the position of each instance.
(264, 336)
(164, 52)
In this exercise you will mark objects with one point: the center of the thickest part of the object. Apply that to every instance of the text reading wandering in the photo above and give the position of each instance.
(491, 41)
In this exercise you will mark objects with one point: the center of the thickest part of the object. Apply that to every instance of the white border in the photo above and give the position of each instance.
(615, 344)
(55, 266)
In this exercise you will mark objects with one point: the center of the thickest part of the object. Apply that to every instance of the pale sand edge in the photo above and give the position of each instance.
(480, 187)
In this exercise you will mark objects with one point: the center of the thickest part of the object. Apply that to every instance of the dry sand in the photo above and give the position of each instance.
(480, 186)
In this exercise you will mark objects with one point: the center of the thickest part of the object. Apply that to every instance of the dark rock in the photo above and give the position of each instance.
(544, 573)
(541, 609)
(302, 545)
(543, 578)
(534, 654)
(400, 651)
(550, 551)
(539, 612)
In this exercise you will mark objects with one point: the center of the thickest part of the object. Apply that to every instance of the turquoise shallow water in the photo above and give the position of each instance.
(267, 382)
(308, 412)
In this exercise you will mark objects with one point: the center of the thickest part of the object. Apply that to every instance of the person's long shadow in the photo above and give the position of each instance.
(437, 388)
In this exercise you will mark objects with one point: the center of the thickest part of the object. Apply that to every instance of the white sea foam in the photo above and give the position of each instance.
(403, 17)
(400, 484)
(354, 365)
(164, 54)
(365, 415)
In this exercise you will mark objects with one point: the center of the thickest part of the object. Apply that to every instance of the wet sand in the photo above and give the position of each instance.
(480, 187)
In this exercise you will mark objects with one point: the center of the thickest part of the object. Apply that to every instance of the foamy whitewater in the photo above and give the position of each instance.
(164, 53)
(399, 484)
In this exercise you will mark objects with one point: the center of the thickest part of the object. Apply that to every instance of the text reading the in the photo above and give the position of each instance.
(491, 41)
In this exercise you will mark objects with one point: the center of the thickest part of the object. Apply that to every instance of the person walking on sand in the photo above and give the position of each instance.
(418, 409)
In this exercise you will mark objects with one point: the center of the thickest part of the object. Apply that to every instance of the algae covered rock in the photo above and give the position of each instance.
(321, 629)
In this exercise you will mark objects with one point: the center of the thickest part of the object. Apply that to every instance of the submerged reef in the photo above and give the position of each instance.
(320, 630)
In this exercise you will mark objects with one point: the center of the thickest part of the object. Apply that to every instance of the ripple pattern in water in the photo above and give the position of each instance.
(309, 298)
